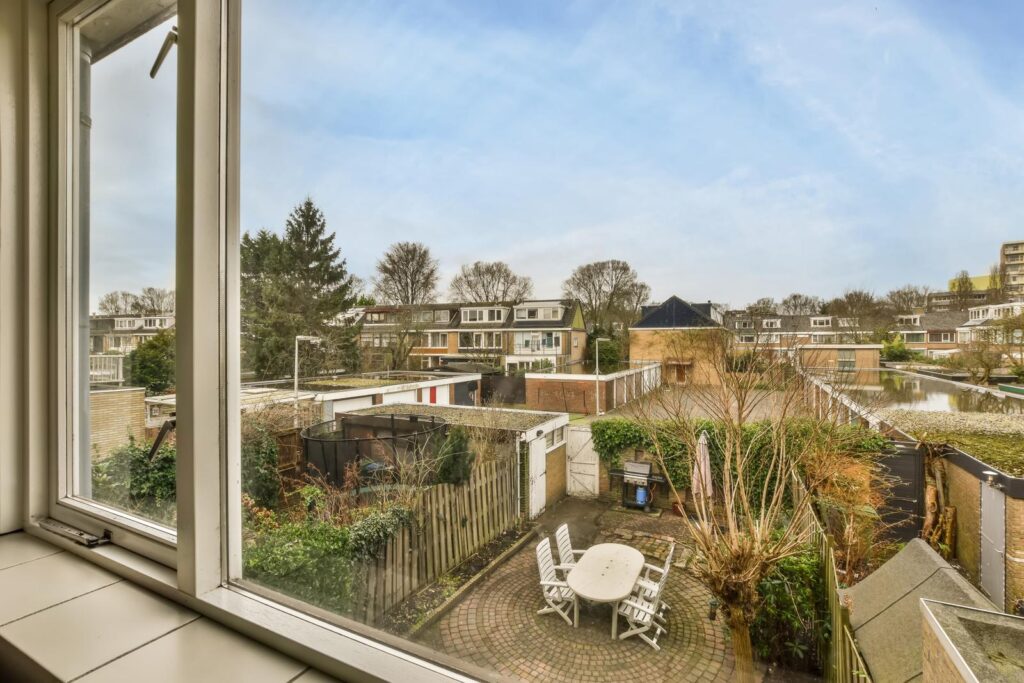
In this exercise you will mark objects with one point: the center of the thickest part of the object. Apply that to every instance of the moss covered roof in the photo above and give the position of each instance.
(995, 439)
(492, 418)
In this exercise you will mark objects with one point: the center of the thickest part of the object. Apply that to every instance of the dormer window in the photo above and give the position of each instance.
(821, 322)
(909, 320)
(744, 324)
(772, 324)
(848, 322)
(483, 315)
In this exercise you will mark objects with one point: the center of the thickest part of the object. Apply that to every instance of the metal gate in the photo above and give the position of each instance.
(583, 465)
(993, 543)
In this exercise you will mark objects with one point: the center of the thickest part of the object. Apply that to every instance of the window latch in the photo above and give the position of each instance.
(170, 41)
(77, 535)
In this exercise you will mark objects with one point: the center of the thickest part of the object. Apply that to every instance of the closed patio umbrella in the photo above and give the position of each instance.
(702, 469)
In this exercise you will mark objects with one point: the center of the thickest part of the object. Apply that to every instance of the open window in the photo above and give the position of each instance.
(113, 475)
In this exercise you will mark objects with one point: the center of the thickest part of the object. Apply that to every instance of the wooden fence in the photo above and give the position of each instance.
(842, 660)
(452, 523)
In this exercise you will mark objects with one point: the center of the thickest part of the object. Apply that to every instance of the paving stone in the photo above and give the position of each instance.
(497, 626)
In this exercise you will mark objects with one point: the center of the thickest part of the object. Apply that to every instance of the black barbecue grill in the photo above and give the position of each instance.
(638, 482)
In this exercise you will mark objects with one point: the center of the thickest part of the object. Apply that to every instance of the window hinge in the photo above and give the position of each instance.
(77, 535)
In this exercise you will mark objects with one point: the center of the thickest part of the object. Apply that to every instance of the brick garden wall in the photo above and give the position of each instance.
(563, 396)
(965, 495)
(936, 665)
(115, 415)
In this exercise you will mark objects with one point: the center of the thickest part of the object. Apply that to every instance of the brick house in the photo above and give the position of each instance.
(530, 334)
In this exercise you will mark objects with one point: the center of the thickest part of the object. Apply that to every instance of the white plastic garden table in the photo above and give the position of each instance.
(606, 573)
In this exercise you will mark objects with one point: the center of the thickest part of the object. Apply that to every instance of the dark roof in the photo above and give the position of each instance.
(937, 320)
(673, 313)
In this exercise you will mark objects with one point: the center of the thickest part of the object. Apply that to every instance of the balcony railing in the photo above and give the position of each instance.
(540, 348)
(106, 369)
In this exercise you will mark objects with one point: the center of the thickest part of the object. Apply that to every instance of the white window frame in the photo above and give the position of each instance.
(201, 572)
(771, 324)
(821, 322)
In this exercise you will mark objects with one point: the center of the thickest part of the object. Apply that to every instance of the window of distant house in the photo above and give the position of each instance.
(441, 316)
(747, 338)
(744, 324)
(848, 322)
(821, 322)
(822, 338)
(847, 359)
(771, 324)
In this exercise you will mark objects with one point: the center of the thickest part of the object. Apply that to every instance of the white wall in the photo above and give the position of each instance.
(399, 397)
(538, 476)
(345, 405)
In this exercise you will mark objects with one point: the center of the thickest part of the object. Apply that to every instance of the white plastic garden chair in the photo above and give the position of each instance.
(557, 594)
(652, 582)
(644, 618)
(566, 555)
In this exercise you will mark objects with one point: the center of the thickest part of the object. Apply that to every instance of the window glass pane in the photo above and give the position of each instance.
(124, 246)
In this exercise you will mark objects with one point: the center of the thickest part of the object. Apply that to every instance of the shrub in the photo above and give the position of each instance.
(260, 479)
(310, 560)
(455, 461)
(369, 534)
(131, 480)
(895, 349)
(791, 618)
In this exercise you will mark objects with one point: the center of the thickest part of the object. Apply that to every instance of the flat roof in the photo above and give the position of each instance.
(468, 416)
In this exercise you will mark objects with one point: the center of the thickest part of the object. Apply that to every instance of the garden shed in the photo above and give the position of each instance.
(537, 439)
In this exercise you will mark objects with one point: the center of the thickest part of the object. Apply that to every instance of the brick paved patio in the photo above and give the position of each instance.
(496, 624)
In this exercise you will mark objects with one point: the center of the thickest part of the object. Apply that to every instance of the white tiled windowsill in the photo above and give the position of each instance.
(63, 618)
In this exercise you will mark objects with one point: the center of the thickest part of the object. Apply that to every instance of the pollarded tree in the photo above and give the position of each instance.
(610, 292)
(406, 275)
(296, 284)
(484, 282)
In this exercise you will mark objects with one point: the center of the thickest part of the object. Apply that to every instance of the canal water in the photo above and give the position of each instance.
(877, 389)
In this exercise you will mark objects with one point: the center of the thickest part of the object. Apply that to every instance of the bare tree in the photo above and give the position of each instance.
(996, 290)
(406, 275)
(610, 292)
(800, 304)
(490, 282)
(118, 303)
(962, 288)
(764, 306)
(906, 298)
(155, 301)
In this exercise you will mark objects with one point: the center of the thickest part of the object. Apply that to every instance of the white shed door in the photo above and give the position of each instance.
(993, 543)
(538, 477)
(583, 466)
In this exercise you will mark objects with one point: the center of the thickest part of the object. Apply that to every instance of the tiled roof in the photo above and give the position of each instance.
(675, 313)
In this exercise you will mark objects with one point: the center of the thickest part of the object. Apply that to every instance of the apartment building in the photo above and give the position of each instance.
(949, 300)
(529, 335)
(1011, 265)
(932, 333)
(124, 333)
(991, 323)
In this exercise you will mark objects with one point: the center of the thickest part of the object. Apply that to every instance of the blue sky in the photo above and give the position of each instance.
(727, 150)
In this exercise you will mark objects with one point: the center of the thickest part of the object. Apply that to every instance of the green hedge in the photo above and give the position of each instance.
(612, 437)
(792, 617)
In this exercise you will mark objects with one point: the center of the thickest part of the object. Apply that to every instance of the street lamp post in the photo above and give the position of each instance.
(597, 373)
(295, 374)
